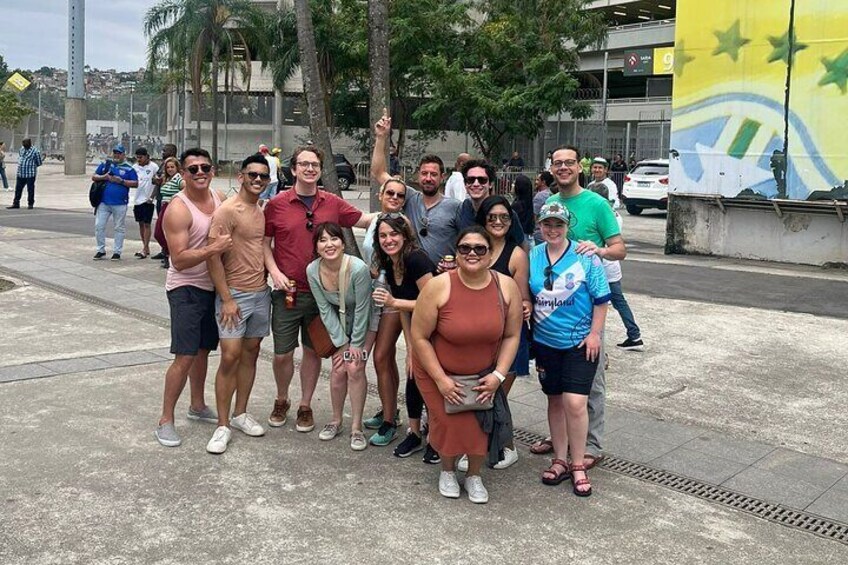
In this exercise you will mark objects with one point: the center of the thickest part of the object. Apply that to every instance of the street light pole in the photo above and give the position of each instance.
(40, 133)
(131, 116)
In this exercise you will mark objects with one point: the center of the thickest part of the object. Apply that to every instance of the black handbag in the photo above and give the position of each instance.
(97, 188)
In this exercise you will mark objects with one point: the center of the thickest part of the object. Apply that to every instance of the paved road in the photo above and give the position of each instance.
(659, 279)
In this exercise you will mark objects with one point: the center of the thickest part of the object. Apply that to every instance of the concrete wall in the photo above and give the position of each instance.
(814, 235)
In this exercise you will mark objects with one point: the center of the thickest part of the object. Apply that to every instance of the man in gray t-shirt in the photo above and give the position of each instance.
(434, 216)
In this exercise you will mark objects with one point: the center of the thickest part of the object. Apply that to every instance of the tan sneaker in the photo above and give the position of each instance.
(305, 422)
(279, 415)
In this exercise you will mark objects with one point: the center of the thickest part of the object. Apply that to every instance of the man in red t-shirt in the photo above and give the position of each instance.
(290, 220)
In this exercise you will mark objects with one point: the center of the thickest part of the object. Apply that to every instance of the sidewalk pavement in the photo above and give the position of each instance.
(715, 398)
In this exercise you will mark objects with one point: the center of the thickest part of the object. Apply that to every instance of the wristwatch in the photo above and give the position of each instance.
(499, 375)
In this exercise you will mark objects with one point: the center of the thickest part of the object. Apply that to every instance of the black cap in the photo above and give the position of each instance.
(141, 151)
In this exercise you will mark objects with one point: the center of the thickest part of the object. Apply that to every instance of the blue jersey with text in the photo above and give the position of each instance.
(116, 194)
(562, 316)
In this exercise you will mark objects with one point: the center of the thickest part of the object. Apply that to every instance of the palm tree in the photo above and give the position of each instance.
(186, 34)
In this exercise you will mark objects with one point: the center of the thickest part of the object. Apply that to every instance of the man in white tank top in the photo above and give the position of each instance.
(191, 294)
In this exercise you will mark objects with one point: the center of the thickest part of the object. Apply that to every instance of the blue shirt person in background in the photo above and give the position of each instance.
(120, 177)
(29, 159)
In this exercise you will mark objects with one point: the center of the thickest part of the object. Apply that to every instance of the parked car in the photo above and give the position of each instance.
(646, 186)
(344, 170)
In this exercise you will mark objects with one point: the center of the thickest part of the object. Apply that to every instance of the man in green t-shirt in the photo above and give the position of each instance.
(596, 230)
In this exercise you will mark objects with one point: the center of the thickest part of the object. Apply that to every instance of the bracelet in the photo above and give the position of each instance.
(499, 375)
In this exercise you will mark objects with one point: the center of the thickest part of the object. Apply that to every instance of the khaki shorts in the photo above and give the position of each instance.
(286, 323)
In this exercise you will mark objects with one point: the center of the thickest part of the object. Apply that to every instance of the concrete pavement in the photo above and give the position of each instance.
(716, 399)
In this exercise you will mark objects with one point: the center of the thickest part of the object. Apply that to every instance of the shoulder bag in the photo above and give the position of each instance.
(469, 401)
(322, 343)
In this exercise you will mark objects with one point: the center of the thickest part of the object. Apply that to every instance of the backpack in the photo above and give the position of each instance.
(95, 192)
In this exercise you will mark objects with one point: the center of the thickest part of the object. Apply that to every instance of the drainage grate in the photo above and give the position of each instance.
(799, 520)
(796, 519)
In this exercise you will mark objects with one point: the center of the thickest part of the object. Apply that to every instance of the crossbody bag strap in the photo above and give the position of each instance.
(343, 270)
(502, 308)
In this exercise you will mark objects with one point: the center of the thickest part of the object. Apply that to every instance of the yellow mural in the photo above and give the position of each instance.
(736, 127)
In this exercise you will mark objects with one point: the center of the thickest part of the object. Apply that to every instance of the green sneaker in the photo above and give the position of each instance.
(376, 421)
(385, 435)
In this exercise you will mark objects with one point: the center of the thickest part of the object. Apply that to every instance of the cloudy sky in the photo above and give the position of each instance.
(34, 33)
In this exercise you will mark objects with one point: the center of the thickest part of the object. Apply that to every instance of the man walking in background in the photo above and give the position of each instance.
(120, 177)
(29, 159)
(145, 169)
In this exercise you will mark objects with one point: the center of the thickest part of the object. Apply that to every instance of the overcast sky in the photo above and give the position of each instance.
(34, 33)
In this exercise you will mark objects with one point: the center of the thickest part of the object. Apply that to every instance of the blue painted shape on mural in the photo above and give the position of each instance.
(685, 140)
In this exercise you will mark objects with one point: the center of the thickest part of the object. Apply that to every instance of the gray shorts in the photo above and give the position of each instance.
(255, 309)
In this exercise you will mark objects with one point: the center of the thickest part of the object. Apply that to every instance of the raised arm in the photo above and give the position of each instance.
(382, 130)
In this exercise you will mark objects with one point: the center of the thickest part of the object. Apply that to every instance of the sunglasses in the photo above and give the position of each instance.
(425, 223)
(502, 218)
(392, 194)
(253, 175)
(466, 249)
(194, 169)
(309, 223)
(549, 278)
(389, 216)
(480, 180)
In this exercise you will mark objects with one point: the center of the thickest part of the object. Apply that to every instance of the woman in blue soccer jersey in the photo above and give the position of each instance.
(570, 293)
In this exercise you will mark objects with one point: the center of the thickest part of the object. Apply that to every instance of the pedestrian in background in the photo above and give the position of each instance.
(120, 177)
(29, 159)
(3, 165)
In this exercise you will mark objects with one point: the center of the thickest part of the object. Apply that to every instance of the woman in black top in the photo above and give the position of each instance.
(523, 205)
(407, 269)
(495, 215)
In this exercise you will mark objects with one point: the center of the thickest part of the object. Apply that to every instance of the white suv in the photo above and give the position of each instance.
(646, 186)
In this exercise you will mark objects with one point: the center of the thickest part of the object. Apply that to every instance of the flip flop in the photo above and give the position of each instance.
(542, 447)
(140, 255)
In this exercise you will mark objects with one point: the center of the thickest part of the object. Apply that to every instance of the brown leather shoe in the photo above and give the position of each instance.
(305, 422)
(279, 415)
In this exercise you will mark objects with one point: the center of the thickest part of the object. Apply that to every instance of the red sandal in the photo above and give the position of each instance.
(542, 447)
(558, 477)
(580, 482)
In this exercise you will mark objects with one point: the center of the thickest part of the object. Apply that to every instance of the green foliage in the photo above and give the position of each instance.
(11, 110)
(516, 67)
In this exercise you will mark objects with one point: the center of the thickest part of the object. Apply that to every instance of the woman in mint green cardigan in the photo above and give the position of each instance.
(332, 274)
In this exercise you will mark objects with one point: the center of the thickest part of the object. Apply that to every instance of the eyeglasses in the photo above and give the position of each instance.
(253, 175)
(425, 223)
(502, 218)
(194, 169)
(549, 278)
(565, 163)
(481, 180)
(466, 249)
(309, 220)
(393, 194)
(309, 164)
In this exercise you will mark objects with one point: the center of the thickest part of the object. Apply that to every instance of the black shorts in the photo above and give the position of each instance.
(564, 370)
(193, 325)
(144, 213)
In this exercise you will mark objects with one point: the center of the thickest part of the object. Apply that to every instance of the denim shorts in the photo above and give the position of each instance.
(255, 311)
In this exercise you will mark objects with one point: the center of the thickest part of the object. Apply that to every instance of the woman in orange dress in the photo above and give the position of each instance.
(460, 319)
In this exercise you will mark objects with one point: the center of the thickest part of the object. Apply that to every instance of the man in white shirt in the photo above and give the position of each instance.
(274, 165)
(455, 186)
(143, 203)
(601, 183)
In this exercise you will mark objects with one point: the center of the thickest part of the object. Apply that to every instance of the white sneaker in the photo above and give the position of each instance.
(448, 486)
(219, 441)
(329, 431)
(247, 424)
(462, 464)
(477, 493)
(509, 459)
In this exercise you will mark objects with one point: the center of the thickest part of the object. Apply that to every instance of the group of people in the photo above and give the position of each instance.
(459, 280)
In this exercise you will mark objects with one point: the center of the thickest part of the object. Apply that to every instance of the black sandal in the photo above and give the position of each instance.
(559, 477)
